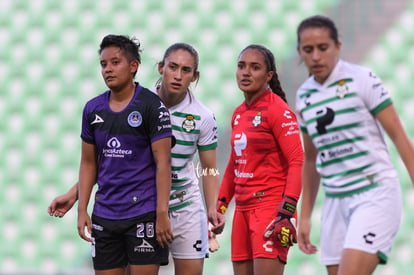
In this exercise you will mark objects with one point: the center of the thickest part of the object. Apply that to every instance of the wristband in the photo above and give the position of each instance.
(222, 205)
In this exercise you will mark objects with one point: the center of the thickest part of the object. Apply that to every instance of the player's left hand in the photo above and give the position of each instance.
(163, 230)
(283, 227)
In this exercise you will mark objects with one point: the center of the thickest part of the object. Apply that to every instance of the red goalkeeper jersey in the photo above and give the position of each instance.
(266, 156)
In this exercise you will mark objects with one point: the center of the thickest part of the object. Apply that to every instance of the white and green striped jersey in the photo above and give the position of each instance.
(339, 117)
(194, 128)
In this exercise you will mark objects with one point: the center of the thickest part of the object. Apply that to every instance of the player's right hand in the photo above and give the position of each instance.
(61, 205)
(216, 221)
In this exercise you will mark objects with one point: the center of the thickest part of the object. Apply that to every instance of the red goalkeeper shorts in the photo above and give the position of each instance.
(247, 241)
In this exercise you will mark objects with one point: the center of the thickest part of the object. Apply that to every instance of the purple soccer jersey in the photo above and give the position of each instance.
(126, 167)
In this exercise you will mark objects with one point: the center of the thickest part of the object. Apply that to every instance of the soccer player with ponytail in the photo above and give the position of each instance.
(343, 110)
(264, 170)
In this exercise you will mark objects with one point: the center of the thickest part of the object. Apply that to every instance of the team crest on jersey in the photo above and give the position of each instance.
(189, 123)
(342, 89)
(257, 119)
(135, 119)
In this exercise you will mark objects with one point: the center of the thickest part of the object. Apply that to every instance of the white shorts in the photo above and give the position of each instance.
(367, 221)
(190, 230)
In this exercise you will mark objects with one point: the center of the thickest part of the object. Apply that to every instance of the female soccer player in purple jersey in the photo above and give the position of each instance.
(126, 150)
(195, 129)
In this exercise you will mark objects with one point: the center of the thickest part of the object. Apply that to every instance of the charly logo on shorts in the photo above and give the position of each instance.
(135, 119)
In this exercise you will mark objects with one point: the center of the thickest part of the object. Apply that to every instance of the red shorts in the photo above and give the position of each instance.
(247, 241)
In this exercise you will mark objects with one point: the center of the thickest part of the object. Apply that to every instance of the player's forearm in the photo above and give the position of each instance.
(163, 183)
(210, 177)
(161, 150)
(392, 124)
(406, 151)
(87, 178)
(294, 179)
(226, 190)
(211, 186)
(292, 150)
(73, 191)
(310, 187)
(85, 191)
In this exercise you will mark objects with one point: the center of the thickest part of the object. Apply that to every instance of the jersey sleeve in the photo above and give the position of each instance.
(86, 131)
(208, 134)
(375, 96)
(227, 187)
(300, 98)
(159, 121)
(301, 122)
(286, 131)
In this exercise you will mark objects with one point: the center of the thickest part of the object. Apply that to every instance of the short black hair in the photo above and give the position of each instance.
(130, 46)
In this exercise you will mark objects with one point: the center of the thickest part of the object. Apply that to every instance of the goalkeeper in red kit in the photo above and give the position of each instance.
(264, 170)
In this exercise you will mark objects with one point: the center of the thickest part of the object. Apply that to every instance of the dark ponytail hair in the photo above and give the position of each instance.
(274, 82)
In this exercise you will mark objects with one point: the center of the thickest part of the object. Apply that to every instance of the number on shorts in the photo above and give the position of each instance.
(145, 230)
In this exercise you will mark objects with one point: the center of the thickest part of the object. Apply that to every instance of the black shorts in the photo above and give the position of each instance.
(117, 243)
